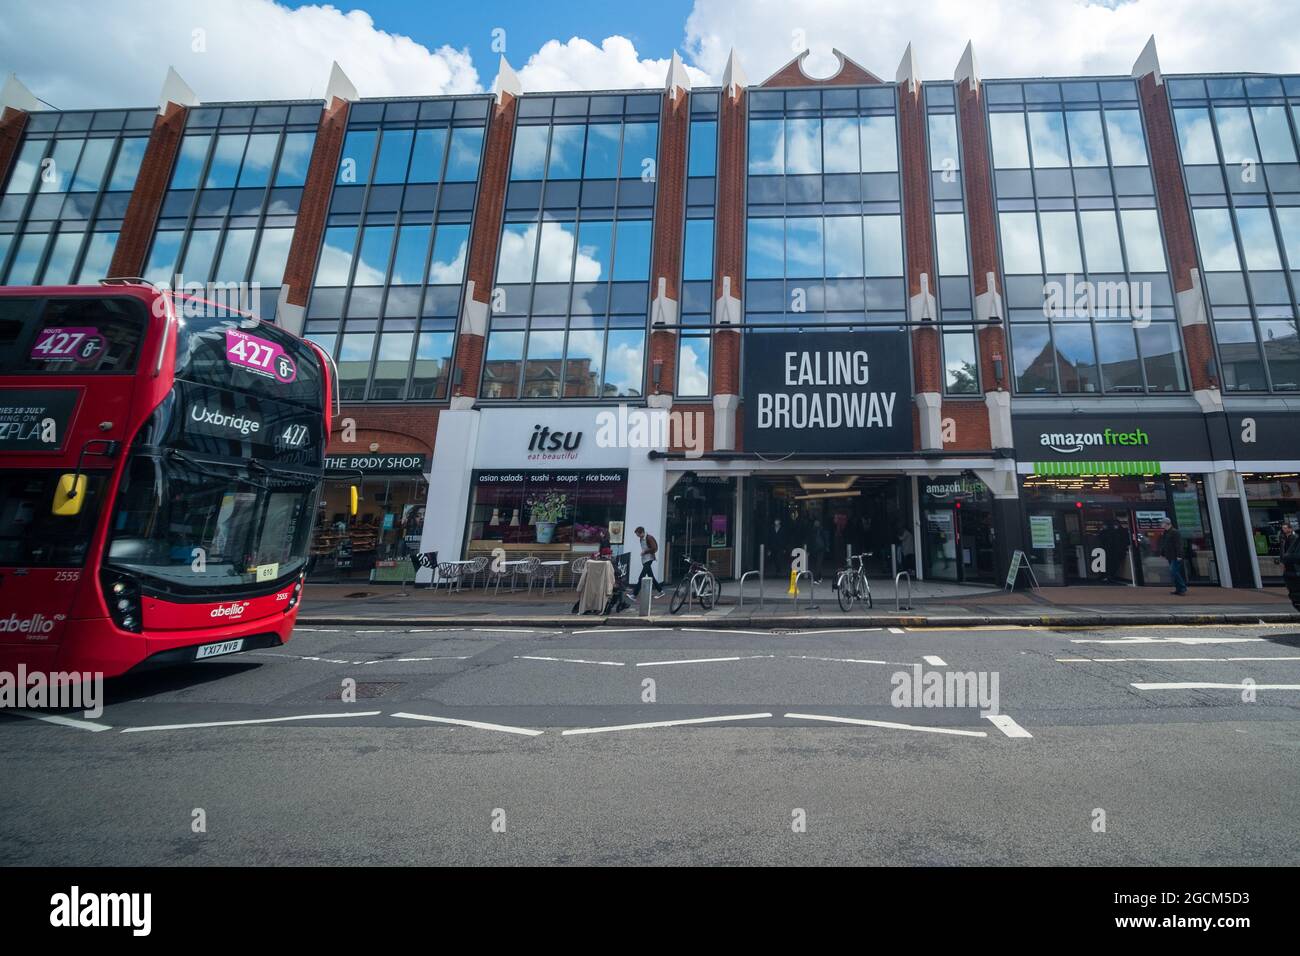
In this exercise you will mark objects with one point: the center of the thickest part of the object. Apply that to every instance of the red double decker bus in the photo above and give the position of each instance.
(160, 462)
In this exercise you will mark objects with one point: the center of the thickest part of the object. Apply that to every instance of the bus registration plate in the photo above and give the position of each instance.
(216, 650)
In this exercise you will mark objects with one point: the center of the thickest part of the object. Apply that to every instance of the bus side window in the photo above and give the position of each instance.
(69, 495)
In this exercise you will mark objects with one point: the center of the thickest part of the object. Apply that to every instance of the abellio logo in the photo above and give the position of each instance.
(235, 609)
(1070, 443)
(35, 626)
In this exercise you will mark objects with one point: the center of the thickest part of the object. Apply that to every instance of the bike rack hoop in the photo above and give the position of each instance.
(903, 574)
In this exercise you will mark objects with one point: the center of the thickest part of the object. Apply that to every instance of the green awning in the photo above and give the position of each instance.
(1097, 468)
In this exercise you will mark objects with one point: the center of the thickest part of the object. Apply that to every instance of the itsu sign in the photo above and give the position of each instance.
(826, 393)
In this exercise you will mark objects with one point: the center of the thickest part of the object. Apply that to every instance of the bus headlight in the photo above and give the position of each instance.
(123, 600)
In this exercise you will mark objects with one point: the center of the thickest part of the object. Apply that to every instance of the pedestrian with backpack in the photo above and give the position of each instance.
(649, 551)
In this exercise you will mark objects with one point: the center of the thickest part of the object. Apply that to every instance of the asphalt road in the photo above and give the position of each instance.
(481, 746)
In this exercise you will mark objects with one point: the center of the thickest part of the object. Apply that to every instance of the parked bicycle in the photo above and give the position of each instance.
(697, 584)
(851, 584)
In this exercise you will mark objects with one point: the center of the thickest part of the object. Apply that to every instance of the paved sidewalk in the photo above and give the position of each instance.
(938, 604)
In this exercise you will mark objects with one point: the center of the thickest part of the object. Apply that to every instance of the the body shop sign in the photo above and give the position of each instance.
(259, 356)
(825, 393)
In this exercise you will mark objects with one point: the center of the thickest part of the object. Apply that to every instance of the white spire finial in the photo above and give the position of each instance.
(907, 71)
(507, 81)
(339, 86)
(15, 94)
(733, 77)
(678, 79)
(175, 90)
(966, 68)
(1148, 62)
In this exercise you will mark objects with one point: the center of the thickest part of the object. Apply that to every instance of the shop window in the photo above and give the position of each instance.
(541, 511)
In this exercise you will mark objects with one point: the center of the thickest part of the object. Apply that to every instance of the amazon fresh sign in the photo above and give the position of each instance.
(1108, 437)
(1069, 443)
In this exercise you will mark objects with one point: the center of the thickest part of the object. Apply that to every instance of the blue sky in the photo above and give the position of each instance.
(655, 29)
(119, 50)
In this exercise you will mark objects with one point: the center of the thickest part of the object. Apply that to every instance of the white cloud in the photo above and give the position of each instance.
(579, 64)
(1012, 37)
(118, 52)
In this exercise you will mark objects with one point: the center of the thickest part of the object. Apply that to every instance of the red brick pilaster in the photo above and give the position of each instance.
(13, 123)
(977, 176)
(300, 268)
(927, 373)
(1180, 242)
(670, 212)
(484, 243)
(147, 197)
(729, 240)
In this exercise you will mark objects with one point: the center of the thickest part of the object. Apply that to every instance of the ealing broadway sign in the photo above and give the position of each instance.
(827, 392)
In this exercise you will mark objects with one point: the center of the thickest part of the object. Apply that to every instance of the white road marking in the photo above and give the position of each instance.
(933, 661)
(61, 721)
(663, 723)
(838, 660)
(1166, 660)
(1166, 640)
(614, 630)
(320, 630)
(896, 630)
(245, 723)
(838, 630)
(503, 728)
(567, 660)
(1198, 685)
(706, 660)
(379, 631)
(1008, 726)
(504, 630)
(888, 725)
(719, 630)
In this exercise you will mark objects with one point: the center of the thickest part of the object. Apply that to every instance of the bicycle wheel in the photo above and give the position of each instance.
(864, 590)
(844, 591)
(708, 591)
(679, 595)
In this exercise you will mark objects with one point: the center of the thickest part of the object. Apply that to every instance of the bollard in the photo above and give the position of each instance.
(643, 599)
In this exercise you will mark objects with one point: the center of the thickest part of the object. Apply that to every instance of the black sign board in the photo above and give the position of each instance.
(1264, 436)
(377, 464)
(827, 392)
(546, 476)
(36, 419)
(1116, 436)
(242, 425)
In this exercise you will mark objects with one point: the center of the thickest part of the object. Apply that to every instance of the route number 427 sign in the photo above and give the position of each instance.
(259, 356)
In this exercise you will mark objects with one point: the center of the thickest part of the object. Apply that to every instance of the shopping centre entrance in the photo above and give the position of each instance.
(826, 514)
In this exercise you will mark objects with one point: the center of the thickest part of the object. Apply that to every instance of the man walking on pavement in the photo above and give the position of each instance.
(649, 550)
(1171, 549)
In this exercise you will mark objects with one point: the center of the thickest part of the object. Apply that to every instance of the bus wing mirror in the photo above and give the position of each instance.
(352, 499)
(69, 495)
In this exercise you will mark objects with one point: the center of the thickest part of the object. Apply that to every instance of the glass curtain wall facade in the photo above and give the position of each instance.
(824, 240)
(62, 207)
(1237, 142)
(389, 278)
(693, 347)
(571, 298)
(952, 288)
(1086, 283)
(232, 203)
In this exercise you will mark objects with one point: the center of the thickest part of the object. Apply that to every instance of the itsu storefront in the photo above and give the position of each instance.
(550, 483)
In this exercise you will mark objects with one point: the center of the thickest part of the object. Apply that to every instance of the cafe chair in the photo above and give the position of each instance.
(479, 566)
(450, 574)
(546, 575)
(529, 570)
(497, 576)
(575, 569)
